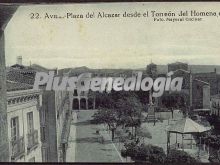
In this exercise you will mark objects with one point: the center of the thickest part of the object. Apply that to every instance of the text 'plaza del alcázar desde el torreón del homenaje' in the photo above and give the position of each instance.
(181, 14)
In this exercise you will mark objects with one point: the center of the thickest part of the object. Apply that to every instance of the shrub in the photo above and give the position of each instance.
(177, 156)
(149, 153)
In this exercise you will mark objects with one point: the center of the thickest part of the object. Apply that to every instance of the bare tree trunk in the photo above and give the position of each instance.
(135, 132)
(113, 134)
(94, 103)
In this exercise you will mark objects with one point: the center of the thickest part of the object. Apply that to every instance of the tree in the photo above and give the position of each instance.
(119, 108)
(106, 116)
(93, 95)
(143, 133)
(130, 110)
(130, 150)
(146, 153)
(212, 140)
(154, 154)
(103, 99)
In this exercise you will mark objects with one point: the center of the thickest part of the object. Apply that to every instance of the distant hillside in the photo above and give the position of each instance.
(204, 68)
(38, 68)
(194, 68)
(160, 68)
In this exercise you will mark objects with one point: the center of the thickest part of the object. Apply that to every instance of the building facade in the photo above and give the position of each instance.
(56, 116)
(195, 92)
(24, 125)
(215, 105)
(49, 111)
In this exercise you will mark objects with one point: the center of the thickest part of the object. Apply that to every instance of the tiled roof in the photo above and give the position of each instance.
(14, 86)
(18, 76)
(18, 66)
(17, 79)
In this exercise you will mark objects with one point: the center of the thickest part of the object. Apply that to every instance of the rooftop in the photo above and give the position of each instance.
(187, 125)
(20, 77)
(14, 86)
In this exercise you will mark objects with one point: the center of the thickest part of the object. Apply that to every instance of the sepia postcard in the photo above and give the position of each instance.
(110, 82)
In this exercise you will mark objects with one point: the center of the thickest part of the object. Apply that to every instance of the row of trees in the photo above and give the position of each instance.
(154, 154)
(212, 140)
(125, 109)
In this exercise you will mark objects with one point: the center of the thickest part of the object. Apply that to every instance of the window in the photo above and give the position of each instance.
(75, 93)
(30, 122)
(43, 134)
(14, 129)
(43, 116)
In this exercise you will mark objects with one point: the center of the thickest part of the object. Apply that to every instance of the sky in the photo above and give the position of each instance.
(112, 42)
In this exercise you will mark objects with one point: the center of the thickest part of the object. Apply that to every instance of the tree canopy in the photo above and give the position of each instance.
(154, 154)
(119, 109)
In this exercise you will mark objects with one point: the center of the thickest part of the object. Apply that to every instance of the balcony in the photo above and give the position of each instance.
(32, 140)
(18, 149)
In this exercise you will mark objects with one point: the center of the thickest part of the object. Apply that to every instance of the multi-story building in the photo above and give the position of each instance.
(23, 108)
(212, 78)
(23, 123)
(56, 116)
(82, 100)
(55, 125)
(215, 105)
(195, 92)
(51, 114)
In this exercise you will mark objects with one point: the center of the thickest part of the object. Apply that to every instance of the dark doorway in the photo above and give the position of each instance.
(90, 103)
(83, 103)
(75, 104)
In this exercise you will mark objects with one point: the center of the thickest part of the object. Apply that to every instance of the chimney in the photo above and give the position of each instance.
(215, 70)
(19, 60)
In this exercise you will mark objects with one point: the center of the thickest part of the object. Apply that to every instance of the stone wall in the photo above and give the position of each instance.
(4, 154)
(50, 142)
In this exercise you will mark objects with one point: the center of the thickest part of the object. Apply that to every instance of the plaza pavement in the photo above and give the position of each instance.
(85, 145)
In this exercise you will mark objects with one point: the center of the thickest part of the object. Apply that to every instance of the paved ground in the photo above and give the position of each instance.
(159, 135)
(70, 156)
(86, 146)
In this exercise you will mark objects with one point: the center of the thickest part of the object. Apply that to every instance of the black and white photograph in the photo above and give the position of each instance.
(110, 82)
